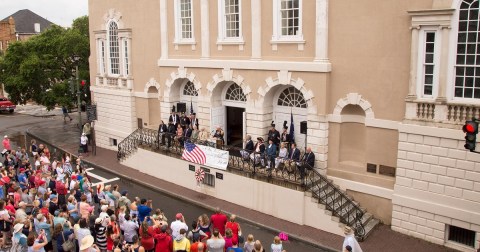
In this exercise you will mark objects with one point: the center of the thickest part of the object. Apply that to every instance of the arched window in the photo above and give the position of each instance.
(235, 93)
(292, 97)
(189, 89)
(114, 48)
(467, 68)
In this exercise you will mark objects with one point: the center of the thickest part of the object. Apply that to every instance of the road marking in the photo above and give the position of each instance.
(102, 179)
(106, 181)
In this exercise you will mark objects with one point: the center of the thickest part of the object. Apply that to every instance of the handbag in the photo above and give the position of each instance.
(68, 244)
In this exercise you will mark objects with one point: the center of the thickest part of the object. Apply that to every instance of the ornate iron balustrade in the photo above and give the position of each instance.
(328, 194)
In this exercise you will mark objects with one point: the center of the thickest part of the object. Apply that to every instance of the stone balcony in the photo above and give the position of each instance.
(440, 114)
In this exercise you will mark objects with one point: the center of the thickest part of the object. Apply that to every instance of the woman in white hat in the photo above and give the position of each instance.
(87, 245)
(19, 240)
(350, 240)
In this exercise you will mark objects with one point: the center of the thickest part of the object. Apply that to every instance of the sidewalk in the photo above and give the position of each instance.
(66, 137)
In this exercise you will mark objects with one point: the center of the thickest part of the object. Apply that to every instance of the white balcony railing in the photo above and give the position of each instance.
(449, 114)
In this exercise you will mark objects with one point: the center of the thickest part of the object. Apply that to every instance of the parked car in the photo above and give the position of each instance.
(6, 105)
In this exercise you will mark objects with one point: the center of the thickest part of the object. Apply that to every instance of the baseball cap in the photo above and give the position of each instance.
(178, 216)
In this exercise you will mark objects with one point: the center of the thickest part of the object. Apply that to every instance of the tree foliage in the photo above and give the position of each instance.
(40, 68)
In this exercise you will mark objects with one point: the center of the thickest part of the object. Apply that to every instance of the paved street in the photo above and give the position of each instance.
(171, 198)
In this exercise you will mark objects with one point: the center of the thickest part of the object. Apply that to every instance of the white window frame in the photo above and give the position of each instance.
(277, 36)
(101, 52)
(108, 61)
(178, 25)
(222, 25)
(452, 59)
(421, 62)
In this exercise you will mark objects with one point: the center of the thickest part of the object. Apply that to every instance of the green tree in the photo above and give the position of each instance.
(40, 68)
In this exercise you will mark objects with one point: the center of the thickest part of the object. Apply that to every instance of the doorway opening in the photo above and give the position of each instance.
(234, 134)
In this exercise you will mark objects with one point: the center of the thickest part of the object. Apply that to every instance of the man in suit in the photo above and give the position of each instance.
(184, 121)
(293, 158)
(162, 128)
(271, 154)
(248, 147)
(194, 119)
(307, 162)
(187, 134)
(174, 118)
(171, 131)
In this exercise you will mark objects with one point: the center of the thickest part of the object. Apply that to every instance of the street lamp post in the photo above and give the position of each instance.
(79, 93)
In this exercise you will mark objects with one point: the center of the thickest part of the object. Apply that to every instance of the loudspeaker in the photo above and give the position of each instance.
(181, 107)
(303, 127)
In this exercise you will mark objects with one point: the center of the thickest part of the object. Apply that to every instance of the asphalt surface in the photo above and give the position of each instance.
(175, 198)
(16, 124)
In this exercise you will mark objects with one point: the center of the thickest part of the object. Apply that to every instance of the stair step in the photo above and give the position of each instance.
(370, 227)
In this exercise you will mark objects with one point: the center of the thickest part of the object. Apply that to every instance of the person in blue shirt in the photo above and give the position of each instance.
(19, 240)
(144, 209)
(22, 179)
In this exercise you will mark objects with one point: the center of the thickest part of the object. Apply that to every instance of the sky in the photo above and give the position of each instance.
(60, 12)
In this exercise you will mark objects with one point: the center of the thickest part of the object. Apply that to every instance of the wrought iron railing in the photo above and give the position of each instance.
(336, 201)
(328, 194)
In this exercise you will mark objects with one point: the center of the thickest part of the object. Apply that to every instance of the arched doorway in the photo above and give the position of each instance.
(184, 96)
(289, 102)
(228, 111)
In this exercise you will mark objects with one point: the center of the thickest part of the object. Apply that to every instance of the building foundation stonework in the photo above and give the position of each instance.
(437, 185)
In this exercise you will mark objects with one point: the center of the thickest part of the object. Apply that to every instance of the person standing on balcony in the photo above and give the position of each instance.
(194, 119)
(174, 118)
(350, 240)
(274, 135)
(162, 128)
(285, 137)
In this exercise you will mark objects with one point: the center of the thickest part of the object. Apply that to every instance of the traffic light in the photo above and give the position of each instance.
(471, 129)
(83, 83)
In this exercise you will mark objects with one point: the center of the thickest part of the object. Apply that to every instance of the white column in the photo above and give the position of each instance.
(321, 31)
(163, 30)
(205, 24)
(256, 12)
(412, 85)
(442, 80)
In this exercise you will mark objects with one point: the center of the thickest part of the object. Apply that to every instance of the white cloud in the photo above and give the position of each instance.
(60, 12)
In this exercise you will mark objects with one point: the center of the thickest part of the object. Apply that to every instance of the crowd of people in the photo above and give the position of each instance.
(49, 204)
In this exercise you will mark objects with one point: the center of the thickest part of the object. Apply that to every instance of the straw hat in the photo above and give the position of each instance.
(347, 230)
(18, 227)
(86, 242)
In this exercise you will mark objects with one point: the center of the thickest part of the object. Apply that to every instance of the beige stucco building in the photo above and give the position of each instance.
(384, 86)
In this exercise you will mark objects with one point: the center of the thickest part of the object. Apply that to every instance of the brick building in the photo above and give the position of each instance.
(20, 26)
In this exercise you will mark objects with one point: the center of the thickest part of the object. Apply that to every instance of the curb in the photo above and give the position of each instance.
(192, 201)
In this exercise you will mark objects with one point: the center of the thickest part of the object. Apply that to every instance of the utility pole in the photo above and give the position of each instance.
(79, 93)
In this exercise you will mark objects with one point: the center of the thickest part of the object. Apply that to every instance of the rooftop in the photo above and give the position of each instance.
(25, 21)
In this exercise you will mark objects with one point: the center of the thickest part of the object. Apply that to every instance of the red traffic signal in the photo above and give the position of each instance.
(471, 129)
(83, 82)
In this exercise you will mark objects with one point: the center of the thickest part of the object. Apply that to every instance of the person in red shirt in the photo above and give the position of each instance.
(234, 226)
(164, 242)
(62, 191)
(219, 220)
(198, 247)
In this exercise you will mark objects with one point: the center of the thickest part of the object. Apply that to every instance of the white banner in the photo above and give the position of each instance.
(215, 158)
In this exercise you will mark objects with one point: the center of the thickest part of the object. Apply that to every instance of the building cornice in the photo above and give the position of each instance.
(293, 66)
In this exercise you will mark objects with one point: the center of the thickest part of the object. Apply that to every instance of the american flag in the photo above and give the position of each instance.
(193, 154)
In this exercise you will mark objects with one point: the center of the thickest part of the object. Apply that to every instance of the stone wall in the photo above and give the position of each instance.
(116, 115)
(437, 184)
